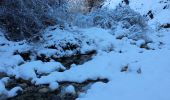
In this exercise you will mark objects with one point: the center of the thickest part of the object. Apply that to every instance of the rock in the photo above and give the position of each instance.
(139, 71)
(126, 2)
(124, 69)
(150, 14)
(23, 85)
(56, 97)
(69, 96)
(3, 97)
(25, 55)
(2, 75)
(43, 90)
(167, 25)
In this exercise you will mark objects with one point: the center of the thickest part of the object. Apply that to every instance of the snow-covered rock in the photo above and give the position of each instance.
(69, 89)
(53, 85)
(30, 70)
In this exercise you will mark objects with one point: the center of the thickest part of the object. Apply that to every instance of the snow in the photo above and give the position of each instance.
(112, 54)
(144, 6)
(152, 84)
(162, 19)
(161, 15)
(141, 5)
(28, 70)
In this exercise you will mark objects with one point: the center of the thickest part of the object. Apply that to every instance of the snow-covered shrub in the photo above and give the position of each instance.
(132, 23)
(23, 19)
(123, 21)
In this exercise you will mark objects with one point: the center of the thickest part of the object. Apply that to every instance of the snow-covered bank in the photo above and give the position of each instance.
(113, 55)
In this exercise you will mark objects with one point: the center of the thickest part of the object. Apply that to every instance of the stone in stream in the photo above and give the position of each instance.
(3, 97)
(2, 75)
(44, 90)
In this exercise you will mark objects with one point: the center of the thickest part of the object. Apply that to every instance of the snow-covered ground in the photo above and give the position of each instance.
(136, 69)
